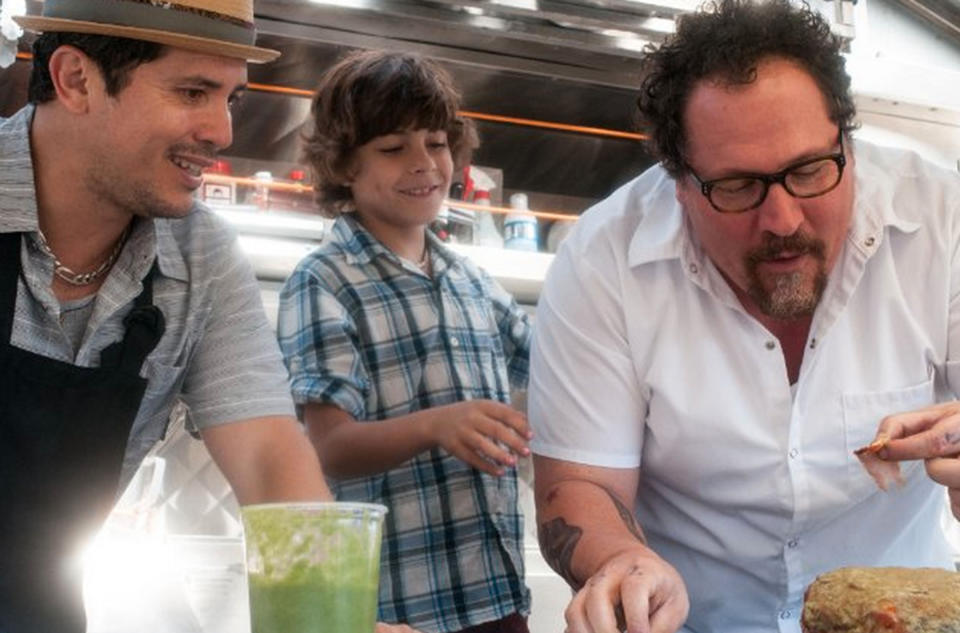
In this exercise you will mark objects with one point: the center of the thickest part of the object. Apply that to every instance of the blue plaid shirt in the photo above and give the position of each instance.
(364, 330)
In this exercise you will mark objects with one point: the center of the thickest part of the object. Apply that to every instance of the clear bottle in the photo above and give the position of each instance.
(261, 193)
(486, 232)
(520, 226)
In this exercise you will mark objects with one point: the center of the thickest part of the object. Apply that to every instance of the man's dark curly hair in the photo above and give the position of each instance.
(116, 57)
(373, 93)
(726, 41)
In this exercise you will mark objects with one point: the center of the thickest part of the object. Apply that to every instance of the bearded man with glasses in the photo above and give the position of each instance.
(717, 338)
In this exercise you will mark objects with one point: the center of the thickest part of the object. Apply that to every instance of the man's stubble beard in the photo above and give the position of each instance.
(131, 196)
(793, 295)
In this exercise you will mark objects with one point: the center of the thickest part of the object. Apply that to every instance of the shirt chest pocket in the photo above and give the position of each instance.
(862, 414)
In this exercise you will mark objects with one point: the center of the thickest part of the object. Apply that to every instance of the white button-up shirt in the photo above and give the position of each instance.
(643, 357)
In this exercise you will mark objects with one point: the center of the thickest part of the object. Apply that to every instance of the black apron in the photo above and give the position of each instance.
(63, 433)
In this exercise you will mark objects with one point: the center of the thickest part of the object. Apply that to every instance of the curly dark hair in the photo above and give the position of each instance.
(726, 41)
(116, 57)
(372, 93)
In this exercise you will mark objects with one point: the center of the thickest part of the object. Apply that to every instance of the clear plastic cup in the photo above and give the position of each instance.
(313, 567)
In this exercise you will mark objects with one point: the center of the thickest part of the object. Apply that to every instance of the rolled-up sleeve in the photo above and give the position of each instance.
(584, 400)
(318, 337)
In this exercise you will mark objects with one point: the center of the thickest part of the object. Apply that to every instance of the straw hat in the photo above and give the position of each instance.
(215, 27)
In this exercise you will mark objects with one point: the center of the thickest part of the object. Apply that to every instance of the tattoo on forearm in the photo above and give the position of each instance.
(626, 516)
(557, 542)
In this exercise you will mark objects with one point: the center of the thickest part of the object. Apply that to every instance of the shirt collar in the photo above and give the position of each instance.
(169, 255)
(661, 232)
(875, 195)
(361, 247)
(358, 244)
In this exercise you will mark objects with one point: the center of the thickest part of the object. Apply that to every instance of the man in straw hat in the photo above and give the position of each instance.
(119, 292)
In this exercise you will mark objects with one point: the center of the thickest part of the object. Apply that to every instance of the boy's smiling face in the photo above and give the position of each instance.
(399, 180)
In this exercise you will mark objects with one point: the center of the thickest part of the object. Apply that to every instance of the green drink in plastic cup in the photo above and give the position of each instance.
(313, 567)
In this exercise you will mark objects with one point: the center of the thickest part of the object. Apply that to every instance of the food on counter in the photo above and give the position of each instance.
(883, 472)
(883, 600)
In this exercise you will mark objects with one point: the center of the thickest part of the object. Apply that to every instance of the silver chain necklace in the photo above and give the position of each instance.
(81, 279)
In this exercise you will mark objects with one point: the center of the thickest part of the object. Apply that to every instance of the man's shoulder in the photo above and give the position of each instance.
(200, 244)
(14, 135)
(17, 122)
(897, 165)
(903, 185)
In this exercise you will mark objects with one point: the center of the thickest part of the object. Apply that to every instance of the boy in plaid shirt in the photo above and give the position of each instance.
(402, 354)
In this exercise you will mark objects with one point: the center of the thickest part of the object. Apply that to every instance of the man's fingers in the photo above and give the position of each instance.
(668, 618)
(603, 601)
(912, 422)
(599, 606)
(576, 616)
(635, 598)
(670, 614)
(955, 502)
(938, 439)
(945, 470)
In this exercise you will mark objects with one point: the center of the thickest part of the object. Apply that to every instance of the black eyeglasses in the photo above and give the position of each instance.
(807, 179)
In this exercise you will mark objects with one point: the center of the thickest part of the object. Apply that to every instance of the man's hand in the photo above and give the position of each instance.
(588, 530)
(636, 591)
(484, 433)
(933, 435)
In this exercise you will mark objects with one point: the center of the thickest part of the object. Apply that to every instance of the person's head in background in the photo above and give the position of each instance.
(385, 138)
(738, 104)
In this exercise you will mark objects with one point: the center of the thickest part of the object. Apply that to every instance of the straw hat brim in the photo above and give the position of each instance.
(190, 42)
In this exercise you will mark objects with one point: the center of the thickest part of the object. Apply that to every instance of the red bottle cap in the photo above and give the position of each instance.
(220, 167)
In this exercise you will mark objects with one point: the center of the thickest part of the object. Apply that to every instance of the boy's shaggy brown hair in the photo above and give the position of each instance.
(373, 93)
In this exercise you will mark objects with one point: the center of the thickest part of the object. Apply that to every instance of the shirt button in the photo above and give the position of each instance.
(793, 453)
(869, 241)
(694, 269)
(813, 343)
(785, 615)
(770, 344)
(792, 543)
(454, 341)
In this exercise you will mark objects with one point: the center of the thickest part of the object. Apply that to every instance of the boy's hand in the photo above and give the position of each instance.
(383, 627)
(477, 431)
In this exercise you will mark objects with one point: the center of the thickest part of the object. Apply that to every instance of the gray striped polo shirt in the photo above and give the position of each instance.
(218, 354)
